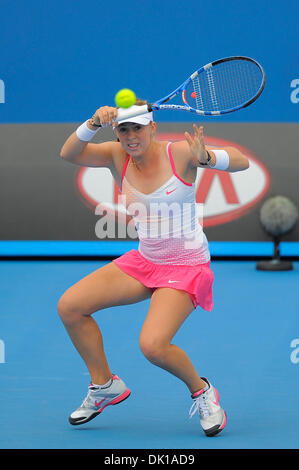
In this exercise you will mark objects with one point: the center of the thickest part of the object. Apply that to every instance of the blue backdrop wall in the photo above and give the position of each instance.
(62, 59)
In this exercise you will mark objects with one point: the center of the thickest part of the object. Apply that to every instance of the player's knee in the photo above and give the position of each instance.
(68, 309)
(154, 349)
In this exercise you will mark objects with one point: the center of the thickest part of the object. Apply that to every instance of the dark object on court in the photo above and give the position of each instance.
(278, 217)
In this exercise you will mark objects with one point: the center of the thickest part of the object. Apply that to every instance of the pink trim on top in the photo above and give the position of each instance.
(124, 171)
(173, 167)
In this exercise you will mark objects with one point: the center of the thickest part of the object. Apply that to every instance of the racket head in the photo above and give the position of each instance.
(224, 86)
(220, 87)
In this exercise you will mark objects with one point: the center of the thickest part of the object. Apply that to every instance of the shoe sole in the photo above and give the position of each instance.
(77, 421)
(216, 429)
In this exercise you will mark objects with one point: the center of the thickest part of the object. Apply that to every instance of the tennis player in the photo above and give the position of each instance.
(171, 265)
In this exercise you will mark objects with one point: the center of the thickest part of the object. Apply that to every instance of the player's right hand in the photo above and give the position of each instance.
(104, 116)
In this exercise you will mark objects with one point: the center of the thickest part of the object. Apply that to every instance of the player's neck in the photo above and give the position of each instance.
(149, 158)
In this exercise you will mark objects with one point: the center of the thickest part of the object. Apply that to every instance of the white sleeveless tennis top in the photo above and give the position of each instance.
(167, 221)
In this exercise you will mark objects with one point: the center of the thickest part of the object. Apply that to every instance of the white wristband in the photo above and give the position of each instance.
(222, 160)
(84, 133)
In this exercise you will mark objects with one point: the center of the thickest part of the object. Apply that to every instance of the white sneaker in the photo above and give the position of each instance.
(212, 416)
(98, 398)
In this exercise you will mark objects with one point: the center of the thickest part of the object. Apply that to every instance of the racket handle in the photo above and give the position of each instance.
(125, 114)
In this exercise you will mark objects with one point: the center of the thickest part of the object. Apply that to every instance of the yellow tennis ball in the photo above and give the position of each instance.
(125, 98)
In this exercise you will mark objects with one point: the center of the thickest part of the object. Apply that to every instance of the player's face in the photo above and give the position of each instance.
(135, 138)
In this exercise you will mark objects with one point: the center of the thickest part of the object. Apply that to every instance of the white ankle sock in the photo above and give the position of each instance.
(207, 386)
(106, 385)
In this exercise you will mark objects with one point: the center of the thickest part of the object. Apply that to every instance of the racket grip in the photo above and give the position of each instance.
(125, 114)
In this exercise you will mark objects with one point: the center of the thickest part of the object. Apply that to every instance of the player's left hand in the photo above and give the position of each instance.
(197, 145)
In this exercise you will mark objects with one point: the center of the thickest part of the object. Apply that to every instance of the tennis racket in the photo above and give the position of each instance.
(220, 87)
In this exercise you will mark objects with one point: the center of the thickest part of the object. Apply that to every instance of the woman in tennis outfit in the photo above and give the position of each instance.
(171, 265)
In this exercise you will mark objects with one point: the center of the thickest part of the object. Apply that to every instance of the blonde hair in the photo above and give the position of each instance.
(140, 102)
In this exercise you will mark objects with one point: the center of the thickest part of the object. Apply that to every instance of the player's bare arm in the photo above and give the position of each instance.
(200, 155)
(84, 153)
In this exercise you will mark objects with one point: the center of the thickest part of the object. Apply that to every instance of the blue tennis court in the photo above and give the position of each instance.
(243, 346)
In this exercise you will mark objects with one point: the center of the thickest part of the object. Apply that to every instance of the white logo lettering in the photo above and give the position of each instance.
(295, 93)
(2, 352)
(2, 92)
(295, 353)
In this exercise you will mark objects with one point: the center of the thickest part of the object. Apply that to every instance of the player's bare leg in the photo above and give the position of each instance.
(169, 308)
(106, 287)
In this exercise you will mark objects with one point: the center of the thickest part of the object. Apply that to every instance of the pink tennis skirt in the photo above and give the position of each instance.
(196, 280)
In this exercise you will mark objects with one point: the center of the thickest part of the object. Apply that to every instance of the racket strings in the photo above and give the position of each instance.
(224, 86)
(212, 88)
(197, 94)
